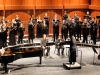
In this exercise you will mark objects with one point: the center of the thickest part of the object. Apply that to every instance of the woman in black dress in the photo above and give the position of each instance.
(5, 30)
(47, 19)
(12, 34)
(39, 27)
(44, 28)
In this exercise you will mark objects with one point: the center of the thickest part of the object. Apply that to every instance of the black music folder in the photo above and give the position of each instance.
(87, 17)
(46, 18)
(98, 17)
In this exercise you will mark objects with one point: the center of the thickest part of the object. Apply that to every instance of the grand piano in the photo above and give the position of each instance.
(13, 53)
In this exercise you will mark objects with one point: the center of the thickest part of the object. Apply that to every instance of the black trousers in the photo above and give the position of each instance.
(72, 57)
(20, 38)
(72, 32)
(5, 40)
(31, 36)
(85, 36)
(62, 52)
(64, 33)
(91, 33)
(55, 35)
(94, 37)
(78, 32)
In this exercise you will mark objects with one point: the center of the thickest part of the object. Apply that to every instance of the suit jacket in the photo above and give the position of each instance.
(43, 43)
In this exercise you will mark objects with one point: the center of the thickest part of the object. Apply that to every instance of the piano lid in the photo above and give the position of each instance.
(30, 46)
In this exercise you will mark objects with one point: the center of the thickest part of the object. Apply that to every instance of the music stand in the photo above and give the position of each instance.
(94, 50)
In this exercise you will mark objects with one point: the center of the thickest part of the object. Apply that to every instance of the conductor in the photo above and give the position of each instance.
(72, 57)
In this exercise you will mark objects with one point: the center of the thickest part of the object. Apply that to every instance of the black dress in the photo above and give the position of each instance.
(47, 23)
(12, 39)
(17, 24)
(5, 37)
(44, 30)
(39, 30)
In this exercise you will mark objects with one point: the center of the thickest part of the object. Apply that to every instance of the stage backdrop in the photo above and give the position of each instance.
(26, 8)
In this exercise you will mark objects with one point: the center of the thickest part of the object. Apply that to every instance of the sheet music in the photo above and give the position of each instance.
(2, 51)
(67, 46)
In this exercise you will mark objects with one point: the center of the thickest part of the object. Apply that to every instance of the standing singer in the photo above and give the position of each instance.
(55, 22)
(46, 18)
(39, 27)
(12, 34)
(21, 30)
(30, 31)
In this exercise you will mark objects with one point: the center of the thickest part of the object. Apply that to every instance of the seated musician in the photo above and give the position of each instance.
(43, 45)
(59, 45)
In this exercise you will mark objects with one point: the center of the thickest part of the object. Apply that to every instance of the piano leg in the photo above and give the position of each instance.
(41, 54)
(5, 67)
(40, 59)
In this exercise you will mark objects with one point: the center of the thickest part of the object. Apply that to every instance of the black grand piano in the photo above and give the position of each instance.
(13, 53)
